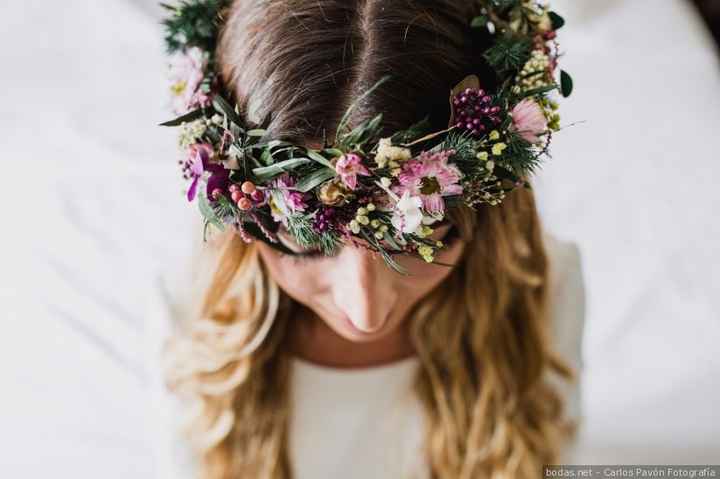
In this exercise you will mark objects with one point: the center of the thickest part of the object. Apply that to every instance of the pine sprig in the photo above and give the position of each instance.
(509, 54)
(520, 157)
(300, 226)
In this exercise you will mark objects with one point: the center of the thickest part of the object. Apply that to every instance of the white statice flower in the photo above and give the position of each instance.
(388, 153)
(191, 132)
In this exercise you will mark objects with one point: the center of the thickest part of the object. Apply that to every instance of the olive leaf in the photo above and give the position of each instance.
(566, 83)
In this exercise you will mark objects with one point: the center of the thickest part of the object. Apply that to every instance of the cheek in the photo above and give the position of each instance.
(424, 277)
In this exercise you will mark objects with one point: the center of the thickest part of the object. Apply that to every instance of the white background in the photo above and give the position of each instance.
(90, 192)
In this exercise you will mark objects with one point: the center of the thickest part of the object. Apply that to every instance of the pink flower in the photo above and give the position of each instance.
(187, 72)
(529, 120)
(348, 167)
(290, 200)
(430, 177)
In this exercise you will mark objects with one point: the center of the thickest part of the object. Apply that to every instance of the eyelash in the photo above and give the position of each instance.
(449, 239)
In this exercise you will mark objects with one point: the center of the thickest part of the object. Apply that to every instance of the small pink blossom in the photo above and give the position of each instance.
(187, 72)
(291, 200)
(348, 167)
(430, 177)
(529, 120)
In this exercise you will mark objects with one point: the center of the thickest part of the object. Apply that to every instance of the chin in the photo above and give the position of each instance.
(349, 331)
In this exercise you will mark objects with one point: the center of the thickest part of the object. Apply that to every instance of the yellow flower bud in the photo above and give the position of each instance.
(426, 252)
(498, 148)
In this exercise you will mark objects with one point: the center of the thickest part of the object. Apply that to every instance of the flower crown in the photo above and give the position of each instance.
(387, 191)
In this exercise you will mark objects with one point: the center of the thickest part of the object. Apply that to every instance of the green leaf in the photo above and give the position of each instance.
(315, 156)
(556, 20)
(268, 172)
(566, 83)
(314, 179)
(256, 132)
(537, 91)
(222, 106)
(479, 22)
(346, 117)
(187, 117)
(413, 133)
(334, 152)
(208, 212)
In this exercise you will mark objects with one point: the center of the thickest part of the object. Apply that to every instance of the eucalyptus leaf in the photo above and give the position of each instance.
(186, 118)
(308, 182)
(346, 117)
(222, 106)
(208, 212)
(269, 172)
(334, 152)
(566, 83)
(315, 156)
(557, 21)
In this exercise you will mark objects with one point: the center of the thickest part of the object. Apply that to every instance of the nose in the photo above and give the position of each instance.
(362, 288)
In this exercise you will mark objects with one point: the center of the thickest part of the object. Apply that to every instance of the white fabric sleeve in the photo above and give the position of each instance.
(567, 308)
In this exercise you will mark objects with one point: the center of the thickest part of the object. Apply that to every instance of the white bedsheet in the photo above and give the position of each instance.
(92, 213)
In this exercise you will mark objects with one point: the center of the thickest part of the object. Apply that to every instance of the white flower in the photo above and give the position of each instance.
(407, 216)
(388, 153)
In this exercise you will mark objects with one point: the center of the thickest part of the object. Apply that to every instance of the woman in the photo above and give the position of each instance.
(313, 362)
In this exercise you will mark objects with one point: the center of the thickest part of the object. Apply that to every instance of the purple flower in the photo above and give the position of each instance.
(198, 162)
(430, 177)
(348, 167)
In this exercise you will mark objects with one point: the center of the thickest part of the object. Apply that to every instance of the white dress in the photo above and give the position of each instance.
(366, 423)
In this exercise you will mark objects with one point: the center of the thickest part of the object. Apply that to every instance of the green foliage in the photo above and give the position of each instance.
(519, 156)
(316, 178)
(267, 173)
(187, 117)
(364, 133)
(207, 211)
(505, 4)
(509, 54)
(465, 146)
(413, 133)
(194, 23)
(346, 116)
(557, 21)
(566, 83)
(300, 227)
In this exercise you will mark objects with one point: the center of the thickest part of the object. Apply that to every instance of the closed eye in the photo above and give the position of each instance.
(293, 250)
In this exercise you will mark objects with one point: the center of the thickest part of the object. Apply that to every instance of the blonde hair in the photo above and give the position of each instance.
(481, 337)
